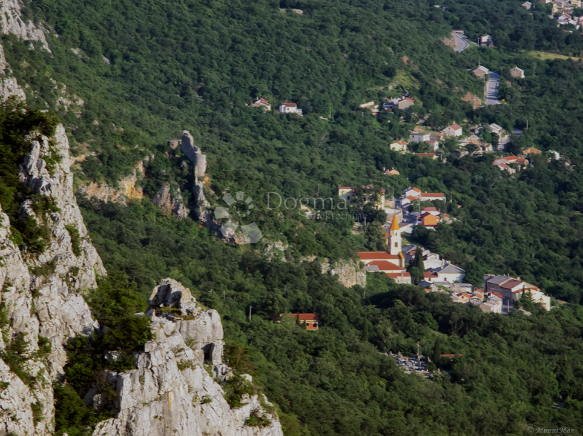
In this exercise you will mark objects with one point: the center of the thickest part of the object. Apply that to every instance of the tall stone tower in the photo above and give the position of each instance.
(395, 237)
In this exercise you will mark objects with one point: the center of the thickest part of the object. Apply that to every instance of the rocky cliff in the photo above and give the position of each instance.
(178, 385)
(42, 306)
(41, 300)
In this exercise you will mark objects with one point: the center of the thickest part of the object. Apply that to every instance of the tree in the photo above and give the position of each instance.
(374, 236)
(416, 268)
(437, 351)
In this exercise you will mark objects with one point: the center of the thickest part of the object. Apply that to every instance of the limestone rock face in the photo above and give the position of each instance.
(199, 161)
(128, 189)
(58, 185)
(44, 305)
(171, 392)
(11, 22)
(170, 203)
(173, 302)
(349, 272)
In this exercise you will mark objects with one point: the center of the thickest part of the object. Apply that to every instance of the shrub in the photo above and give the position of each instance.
(75, 239)
(236, 388)
(257, 419)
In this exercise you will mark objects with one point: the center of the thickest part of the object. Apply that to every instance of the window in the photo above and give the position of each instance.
(396, 244)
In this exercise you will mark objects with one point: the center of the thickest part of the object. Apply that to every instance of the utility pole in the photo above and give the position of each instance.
(417, 349)
(250, 312)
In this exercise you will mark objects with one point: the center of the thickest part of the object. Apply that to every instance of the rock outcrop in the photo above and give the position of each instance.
(349, 272)
(171, 391)
(175, 386)
(12, 22)
(170, 202)
(194, 154)
(41, 298)
(128, 189)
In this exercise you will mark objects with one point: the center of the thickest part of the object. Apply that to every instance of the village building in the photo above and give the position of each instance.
(527, 5)
(486, 41)
(451, 273)
(516, 72)
(435, 136)
(428, 220)
(419, 137)
(429, 155)
(261, 102)
(309, 319)
(531, 150)
(433, 145)
(481, 72)
(495, 128)
(452, 131)
(289, 108)
(391, 172)
(512, 289)
(398, 146)
(402, 103)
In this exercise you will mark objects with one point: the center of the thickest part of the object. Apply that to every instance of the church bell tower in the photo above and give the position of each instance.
(395, 237)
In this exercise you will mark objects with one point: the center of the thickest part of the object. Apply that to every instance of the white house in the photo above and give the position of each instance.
(495, 128)
(451, 273)
(398, 146)
(261, 102)
(452, 131)
(289, 108)
(419, 137)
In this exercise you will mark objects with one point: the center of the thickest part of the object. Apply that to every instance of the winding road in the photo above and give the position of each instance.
(460, 43)
(492, 88)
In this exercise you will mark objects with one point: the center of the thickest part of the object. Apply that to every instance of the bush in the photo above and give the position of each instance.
(75, 239)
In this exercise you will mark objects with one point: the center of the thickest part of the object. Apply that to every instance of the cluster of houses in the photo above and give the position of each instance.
(498, 293)
(563, 11)
(434, 140)
(393, 262)
(284, 108)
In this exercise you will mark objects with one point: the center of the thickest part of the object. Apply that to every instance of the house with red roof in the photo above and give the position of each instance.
(261, 102)
(309, 319)
(289, 108)
(452, 131)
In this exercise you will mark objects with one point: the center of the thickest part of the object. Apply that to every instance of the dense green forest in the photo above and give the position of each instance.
(148, 69)
(515, 369)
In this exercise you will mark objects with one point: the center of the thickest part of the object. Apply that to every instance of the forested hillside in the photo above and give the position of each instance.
(147, 69)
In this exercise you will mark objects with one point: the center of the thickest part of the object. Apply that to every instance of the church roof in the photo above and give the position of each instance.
(395, 223)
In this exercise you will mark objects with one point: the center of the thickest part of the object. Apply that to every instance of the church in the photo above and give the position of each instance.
(391, 262)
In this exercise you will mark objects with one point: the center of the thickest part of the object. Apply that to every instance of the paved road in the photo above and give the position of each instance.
(460, 43)
(492, 88)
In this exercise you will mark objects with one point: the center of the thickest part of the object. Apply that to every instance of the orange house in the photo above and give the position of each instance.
(428, 220)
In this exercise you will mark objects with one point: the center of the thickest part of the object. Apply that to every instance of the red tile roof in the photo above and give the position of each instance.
(430, 274)
(430, 194)
(499, 295)
(429, 209)
(375, 255)
(396, 275)
(426, 154)
(289, 104)
(386, 266)
(455, 126)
